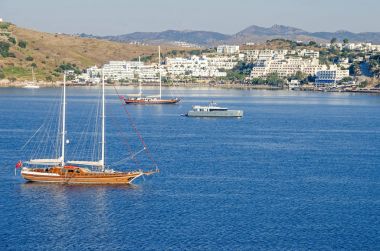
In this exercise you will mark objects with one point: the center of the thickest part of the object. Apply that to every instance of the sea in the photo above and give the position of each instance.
(300, 171)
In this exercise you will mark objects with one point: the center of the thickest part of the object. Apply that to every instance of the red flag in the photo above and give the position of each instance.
(19, 164)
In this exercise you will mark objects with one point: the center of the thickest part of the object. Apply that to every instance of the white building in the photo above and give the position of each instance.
(330, 76)
(185, 44)
(120, 70)
(308, 53)
(198, 66)
(253, 55)
(286, 67)
(228, 49)
(222, 62)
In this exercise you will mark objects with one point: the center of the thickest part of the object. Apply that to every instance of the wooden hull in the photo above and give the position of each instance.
(79, 178)
(151, 101)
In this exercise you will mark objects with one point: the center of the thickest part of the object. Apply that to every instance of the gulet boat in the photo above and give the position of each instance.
(61, 170)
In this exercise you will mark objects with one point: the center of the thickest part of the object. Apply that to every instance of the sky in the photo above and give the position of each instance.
(114, 17)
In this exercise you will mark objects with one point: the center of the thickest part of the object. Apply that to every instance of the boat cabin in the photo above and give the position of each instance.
(198, 108)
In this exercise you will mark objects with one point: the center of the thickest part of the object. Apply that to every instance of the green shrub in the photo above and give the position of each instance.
(2, 75)
(68, 67)
(12, 40)
(4, 49)
(4, 25)
(29, 58)
(55, 74)
(22, 44)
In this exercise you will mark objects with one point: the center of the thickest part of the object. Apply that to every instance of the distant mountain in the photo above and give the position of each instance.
(253, 33)
(272, 31)
(256, 33)
(193, 37)
(373, 37)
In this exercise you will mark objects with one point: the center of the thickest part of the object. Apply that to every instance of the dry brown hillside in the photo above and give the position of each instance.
(48, 51)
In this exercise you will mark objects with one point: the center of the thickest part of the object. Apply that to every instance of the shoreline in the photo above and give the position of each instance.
(232, 86)
(184, 85)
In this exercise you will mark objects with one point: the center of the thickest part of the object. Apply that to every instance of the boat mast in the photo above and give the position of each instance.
(140, 92)
(103, 123)
(159, 68)
(33, 77)
(63, 120)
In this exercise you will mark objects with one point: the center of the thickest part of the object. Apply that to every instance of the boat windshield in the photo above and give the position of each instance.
(217, 109)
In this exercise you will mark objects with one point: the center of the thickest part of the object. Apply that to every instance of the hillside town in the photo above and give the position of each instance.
(293, 67)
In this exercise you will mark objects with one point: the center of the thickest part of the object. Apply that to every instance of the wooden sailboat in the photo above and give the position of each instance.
(77, 172)
(151, 100)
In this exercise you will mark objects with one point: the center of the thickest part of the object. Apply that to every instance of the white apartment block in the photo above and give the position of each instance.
(330, 76)
(185, 44)
(122, 70)
(365, 47)
(199, 66)
(253, 55)
(308, 53)
(286, 67)
(222, 62)
(228, 49)
(119, 70)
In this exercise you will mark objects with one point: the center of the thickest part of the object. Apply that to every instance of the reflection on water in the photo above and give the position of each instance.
(59, 188)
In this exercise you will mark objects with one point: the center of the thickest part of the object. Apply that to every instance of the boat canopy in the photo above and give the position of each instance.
(85, 163)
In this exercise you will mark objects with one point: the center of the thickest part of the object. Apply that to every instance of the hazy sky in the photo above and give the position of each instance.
(109, 17)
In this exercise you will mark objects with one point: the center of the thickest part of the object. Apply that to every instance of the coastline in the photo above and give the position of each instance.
(236, 86)
(7, 84)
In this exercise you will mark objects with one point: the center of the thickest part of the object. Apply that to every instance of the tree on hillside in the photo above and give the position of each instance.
(298, 76)
(68, 67)
(2, 75)
(4, 25)
(49, 78)
(345, 41)
(333, 40)
(4, 49)
(354, 69)
(275, 80)
(12, 40)
(22, 44)
(243, 68)
(258, 81)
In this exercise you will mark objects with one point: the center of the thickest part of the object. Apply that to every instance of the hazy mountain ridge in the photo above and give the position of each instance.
(194, 37)
(252, 33)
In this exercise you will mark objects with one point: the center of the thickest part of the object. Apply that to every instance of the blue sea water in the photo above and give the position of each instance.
(300, 171)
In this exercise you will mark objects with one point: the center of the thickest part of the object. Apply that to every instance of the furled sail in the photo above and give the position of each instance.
(85, 163)
(45, 161)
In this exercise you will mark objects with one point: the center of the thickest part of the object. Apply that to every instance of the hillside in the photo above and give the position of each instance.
(47, 52)
(252, 33)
